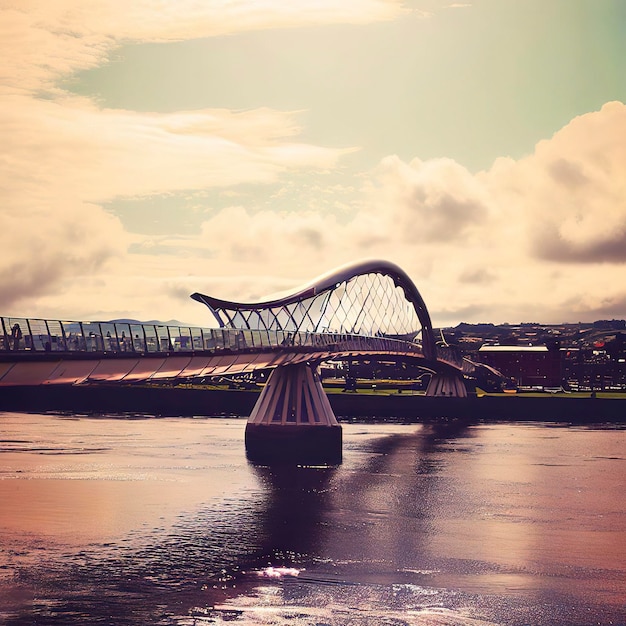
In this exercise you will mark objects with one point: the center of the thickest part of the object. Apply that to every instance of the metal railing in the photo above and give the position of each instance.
(453, 356)
(28, 335)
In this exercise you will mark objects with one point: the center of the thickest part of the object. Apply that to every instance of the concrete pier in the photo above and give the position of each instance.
(293, 421)
(450, 385)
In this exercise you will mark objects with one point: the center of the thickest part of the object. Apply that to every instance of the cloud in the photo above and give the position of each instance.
(63, 156)
(610, 307)
(271, 239)
(479, 275)
(550, 244)
(62, 159)
(480, 245)
(41, 41)
(469, 241)
(570, 192)
(497, 237)
(432, 201)
(452, 316)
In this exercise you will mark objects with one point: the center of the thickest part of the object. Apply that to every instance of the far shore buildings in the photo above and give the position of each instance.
(527, 366)
(585, 356)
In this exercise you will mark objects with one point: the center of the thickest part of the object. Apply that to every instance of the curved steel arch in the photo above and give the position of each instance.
(238, 315)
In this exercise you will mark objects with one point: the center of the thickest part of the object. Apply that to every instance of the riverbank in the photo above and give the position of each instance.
(181, 401)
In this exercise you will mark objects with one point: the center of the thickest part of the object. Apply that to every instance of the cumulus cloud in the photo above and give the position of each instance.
(432, 201)
(504, 238)
(571, 191)
(609, 307)
(271, 239)
(479, 275)
(523, 239)
(63, 155)
(470, 241)
(62, 158)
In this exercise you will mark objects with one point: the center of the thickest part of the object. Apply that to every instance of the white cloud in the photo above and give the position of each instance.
(432, 201)
(543, 237)
(42, 41)
(473, 243)
(572, 189)
(470, 242)
(63, 155)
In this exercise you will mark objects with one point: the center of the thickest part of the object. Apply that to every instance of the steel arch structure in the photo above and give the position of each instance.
(362, 310)
(373, 298)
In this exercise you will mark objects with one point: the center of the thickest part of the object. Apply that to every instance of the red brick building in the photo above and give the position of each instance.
(528, 366)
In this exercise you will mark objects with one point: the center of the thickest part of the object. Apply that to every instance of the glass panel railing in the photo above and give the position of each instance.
(21, 334)
(255, 339)
(57, 338)
(16, 335)
(221, 337)
(208, 339)
(6, 334)
(109, 337)
(306, 339)
(72, 333)
(39, 335)
(186, 339)
(229, 339)
(281, 338)
(248, 338)
(164, 343)
(138, 337)
(124, 336)
(197, 340)
(152, 341)
(174, 338)
(93, 336)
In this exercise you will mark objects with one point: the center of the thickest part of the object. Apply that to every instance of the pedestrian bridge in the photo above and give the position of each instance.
(364, 310)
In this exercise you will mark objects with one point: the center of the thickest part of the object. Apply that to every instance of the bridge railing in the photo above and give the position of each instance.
(451, 355)
(29, 335)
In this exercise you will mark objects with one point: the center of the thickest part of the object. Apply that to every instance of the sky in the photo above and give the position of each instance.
(239, 148)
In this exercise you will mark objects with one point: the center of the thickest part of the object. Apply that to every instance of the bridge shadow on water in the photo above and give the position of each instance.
(361, 522)
(301, 499)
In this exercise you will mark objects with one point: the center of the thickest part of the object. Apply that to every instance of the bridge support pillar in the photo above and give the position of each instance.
(293, 421)
(446, 385)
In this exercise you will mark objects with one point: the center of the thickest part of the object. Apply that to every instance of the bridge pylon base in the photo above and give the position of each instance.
(446, 385)
(292, 421)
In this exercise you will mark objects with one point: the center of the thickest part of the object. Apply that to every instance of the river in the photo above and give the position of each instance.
(135, 520)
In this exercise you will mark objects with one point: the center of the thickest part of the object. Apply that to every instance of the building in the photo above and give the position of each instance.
(528, 366)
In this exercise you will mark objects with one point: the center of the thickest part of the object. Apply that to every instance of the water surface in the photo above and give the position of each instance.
(132, 521)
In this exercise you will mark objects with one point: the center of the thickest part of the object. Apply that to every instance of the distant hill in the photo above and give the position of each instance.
(153, 322)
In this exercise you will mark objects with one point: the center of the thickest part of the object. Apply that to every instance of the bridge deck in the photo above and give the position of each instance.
(35, 351)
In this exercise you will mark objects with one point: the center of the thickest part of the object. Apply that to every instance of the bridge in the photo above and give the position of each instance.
(369, 309)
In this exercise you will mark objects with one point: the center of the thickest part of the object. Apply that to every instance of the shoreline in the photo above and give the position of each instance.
(178, 401)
